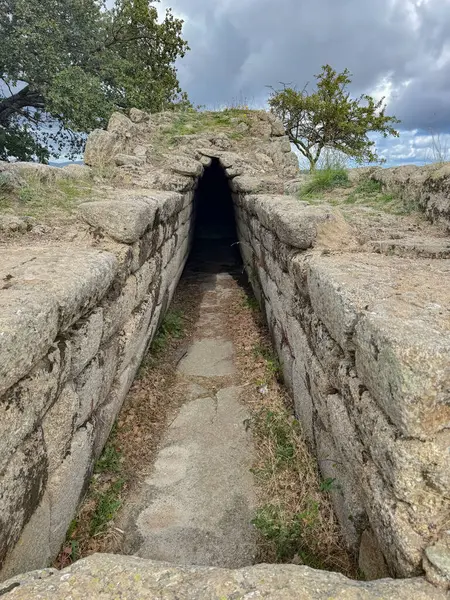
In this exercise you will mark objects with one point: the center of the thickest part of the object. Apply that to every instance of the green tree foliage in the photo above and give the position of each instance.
(329, 118)
(65, 65)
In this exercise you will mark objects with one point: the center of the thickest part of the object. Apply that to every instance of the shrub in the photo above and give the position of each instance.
(326, 179)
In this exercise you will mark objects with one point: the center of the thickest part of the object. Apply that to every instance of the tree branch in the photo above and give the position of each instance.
(13, 104)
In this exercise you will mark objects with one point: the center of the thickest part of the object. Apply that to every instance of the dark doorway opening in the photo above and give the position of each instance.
(215, 246)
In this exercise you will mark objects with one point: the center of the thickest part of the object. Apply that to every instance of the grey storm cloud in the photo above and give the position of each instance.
(400, 47)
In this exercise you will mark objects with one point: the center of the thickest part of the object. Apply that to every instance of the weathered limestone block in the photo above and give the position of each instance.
(24, 404)
(339, 306)
(28, 325)
(173, 182)
(401, 356)
(107, 413)
(415, 469)
(102, 147)
(84, 340)
(94, 383)
(283, 280)
(71, 475)
(344, 492)
(327, 351)
(23, 482)
(74, 280)
(134, 337)
(32, 551)
(145, 278)
(128, 160)
(120, 123)
(183, 165)
(401, 545)
(277, 125)
(297, 224)
(88, 387)
(12, 224)
(117, 307)
(110, 576)
(123, 221)
(248, 184)
(255, 228)
(412, 247)
(138, 116)
(437, 562)
(370, 558)
(310, 373)
(400, 334)
(146, 246)
(58, 426)
(185, 215)
(398, 466)
(170, 204)
(426, 187)
(303, 403)
(167, 253)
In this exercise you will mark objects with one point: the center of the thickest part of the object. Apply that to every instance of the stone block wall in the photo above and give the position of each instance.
(364, 344)
(363, 338)
(74, 326)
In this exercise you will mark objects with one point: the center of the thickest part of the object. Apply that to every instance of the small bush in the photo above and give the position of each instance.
(326, 179)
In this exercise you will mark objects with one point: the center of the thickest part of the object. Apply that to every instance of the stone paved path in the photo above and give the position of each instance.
(197, 503)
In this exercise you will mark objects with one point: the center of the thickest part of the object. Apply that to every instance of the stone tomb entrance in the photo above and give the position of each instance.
(215, 246)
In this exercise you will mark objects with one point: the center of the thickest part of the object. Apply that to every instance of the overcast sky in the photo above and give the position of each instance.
(396, 48)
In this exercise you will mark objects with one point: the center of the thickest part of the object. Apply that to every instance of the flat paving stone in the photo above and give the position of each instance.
(208, 358)
(197, 504)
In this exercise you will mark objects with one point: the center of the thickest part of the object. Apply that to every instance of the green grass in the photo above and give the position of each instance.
(277, 429)
(370, 193)
(286, 532)
(110, 460)
(108, 503)
(171, 328)
(38, 199)
(296, 521)
(193, 122)
(250, 301)
(325, 179)
(369, 187)
(272, 361)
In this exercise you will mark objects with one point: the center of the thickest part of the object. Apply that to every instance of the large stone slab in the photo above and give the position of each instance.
(298, 224)
(45, 290)
(110, 576)
(198, 503)
(209, 358)
(395, 314)
(123, 221)
(22, 485)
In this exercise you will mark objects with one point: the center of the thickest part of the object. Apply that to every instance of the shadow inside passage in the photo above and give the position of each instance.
(215, 247)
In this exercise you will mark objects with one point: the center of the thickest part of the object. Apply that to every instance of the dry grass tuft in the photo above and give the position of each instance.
(295, 516)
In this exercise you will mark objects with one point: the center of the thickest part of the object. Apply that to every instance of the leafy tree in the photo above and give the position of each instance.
(65, 65)
(329, 118)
